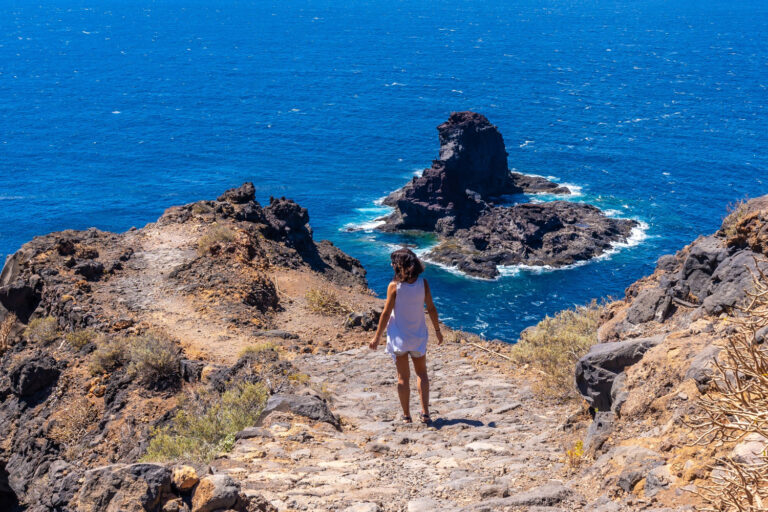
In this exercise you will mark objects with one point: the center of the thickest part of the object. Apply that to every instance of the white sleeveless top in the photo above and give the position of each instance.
(407, 328)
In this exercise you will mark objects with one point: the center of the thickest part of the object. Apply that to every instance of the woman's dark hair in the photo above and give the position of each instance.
(406, 264)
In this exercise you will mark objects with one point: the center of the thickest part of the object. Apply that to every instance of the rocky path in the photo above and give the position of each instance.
(488, 449)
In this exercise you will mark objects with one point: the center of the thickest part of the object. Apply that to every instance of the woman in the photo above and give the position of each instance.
(403, 317)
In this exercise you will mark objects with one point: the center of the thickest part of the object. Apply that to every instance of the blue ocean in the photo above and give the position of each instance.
(111, 111)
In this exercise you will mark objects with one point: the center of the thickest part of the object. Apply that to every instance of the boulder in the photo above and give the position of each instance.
(124, 488)
(184, 478)
(546, 495)
(597, 370)
(90, 270)
(215, 492)
(599, 431)
(730, 283)
(308, 406)
(701, 369)
(34, 374)
(245, 193)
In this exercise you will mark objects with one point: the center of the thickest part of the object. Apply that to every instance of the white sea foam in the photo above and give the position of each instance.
(524, 144)
(363, 226)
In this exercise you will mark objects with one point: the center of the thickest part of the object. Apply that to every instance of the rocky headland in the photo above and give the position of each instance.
(467, 197)
(216, 360)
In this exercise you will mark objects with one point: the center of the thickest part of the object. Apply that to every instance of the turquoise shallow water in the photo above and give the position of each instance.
(112, 111)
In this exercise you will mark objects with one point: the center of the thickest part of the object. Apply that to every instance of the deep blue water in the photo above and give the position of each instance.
(111, 111)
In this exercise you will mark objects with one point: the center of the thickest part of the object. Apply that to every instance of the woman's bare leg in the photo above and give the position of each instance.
(422, 380)
(404, 383)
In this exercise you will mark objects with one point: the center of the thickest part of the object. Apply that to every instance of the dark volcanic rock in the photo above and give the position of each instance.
(91, 270)
(596, 371)
(34, 374)
(556, 234)
(471, 169)
(124, 487)
(459, 198)
(240, 195)
(308, 406)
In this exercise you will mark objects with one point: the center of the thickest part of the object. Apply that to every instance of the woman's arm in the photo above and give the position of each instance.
(384, 320)
(432, 310)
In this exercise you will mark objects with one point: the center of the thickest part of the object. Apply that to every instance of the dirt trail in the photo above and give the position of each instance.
(488, 444)
(147, 292)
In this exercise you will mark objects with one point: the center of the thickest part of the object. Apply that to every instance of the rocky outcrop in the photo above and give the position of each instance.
(556, 234)
(471, 169)
(461, 198)
(76, 406)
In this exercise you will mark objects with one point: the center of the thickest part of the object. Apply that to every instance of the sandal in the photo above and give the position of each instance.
(406, 419)
(425, 419)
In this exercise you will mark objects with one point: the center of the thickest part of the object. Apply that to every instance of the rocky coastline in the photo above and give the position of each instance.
(468, 198)
(233, 296)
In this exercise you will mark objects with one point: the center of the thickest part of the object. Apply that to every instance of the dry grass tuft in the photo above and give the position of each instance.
(206, 424)
(553, 346)
(80, 338)
(326, 302)
(43, 330)
(6, 328)
(72, 423)
(216, 235)
(258, 348)
(736, 407)
(154, 358)
(110, 354)
(736, 213)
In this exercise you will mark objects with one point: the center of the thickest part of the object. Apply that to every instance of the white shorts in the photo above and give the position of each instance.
(415, 354)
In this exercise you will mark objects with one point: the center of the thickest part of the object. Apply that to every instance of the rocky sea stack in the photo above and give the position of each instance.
(465, 198)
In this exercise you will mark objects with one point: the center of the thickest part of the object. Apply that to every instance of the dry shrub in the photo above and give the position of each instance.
(736, 213)
(42, 330)
(80, 338)
(110, 354)
(736, 406)
(72, 423)
(258, 348)
(206, 424)
(6, 328)
(201, 207)
(154, 359)
(553, 346)
(215, 236)
(326, 302)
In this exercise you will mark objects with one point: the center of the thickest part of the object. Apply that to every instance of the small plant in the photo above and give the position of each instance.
(736, 213)
(200, 208)
(72, 423)
(154, 359)
(258, 348)
(206, 424)
(215, 236)
(6, 328)
(42, 330)
(80, 338)
(575, 456)
(301, 378)
(110, 354)
(555, 344)
(326, 303)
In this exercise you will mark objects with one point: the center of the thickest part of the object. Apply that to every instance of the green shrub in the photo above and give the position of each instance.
(206, 424)
(42, 330)
(217, 234)
(555, 344)
(326, 303)
(154, 359)
(80, 338)
(110, 354)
